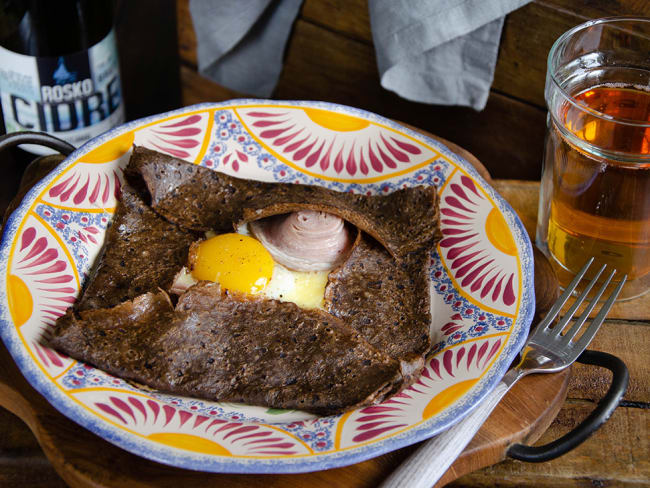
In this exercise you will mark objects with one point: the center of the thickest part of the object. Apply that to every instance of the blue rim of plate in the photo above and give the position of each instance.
(221, 464)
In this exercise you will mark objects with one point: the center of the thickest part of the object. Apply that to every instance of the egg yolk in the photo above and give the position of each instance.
(236, 261)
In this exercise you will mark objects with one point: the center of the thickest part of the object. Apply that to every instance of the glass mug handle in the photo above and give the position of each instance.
(38, 138)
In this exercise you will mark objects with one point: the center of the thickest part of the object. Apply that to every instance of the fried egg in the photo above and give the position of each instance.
(239, 262)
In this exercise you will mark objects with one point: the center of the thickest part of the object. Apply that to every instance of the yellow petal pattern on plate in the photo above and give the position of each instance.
(110, 150)
(190, 443)
(336, 121)
(20, 299)
(499, 234)
(446, 397)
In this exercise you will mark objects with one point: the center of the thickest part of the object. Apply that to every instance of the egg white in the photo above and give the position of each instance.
(305, 289)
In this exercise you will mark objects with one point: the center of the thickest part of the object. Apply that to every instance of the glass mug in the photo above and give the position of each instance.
(595, 188)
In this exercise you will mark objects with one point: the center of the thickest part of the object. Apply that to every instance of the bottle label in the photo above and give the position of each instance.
(74, 97)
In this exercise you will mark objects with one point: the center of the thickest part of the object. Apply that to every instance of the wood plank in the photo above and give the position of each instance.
(630, 342)
(33, 472)
(521, 65)
(344, 70)
(618, 454)
(22, 462)
(186, 34)
(347, 17)
(197, 89)
(15, 437)
(593, 9)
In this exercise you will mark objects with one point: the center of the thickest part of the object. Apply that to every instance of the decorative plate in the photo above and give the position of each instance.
(481, 284)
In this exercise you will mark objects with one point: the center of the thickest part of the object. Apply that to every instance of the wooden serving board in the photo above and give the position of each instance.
(83, 459)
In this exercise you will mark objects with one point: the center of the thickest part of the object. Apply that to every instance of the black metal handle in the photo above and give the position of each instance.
(604, 410)
(39, 138)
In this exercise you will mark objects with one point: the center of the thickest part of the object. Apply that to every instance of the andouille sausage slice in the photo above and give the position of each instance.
(306, 240)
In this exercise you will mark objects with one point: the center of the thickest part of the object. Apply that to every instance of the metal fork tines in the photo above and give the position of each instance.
(547, 346)
(547, 351)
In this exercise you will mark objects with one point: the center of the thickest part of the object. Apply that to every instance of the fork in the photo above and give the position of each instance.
(547, 351)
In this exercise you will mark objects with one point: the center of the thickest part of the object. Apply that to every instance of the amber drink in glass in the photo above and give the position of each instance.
(595, 192)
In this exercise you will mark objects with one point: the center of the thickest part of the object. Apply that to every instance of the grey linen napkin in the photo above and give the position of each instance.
(240, 43)
(432, 51)
(439, 51)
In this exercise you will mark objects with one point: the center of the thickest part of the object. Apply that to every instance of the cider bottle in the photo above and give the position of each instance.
(59, 69)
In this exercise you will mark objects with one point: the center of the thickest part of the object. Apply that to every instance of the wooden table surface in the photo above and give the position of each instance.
(617, 455)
